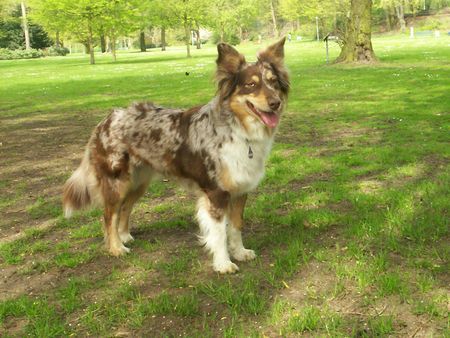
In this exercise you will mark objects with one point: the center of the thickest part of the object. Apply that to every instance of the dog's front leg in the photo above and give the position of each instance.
(212, 218)
(236, 213)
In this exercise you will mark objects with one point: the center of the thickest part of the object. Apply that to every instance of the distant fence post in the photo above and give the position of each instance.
(411, 32)
(327, 37)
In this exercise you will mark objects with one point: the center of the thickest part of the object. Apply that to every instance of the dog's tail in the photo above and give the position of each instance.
(81, 190)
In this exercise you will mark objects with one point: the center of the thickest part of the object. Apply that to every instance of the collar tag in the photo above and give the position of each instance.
(250, 151)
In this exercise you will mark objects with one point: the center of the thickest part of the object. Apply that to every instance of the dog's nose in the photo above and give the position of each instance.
(274, 104)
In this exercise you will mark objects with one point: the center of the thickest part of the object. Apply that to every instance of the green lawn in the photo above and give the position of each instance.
(350, 224)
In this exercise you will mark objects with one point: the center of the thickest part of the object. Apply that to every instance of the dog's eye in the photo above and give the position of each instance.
(250, 85)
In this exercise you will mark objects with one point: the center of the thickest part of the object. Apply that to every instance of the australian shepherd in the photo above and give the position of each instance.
(218, 150)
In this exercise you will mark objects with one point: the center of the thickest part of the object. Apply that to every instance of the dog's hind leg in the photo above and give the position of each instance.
(236, 212)
(112, 239)
(125, 211)
(114, 192)
(212, 218)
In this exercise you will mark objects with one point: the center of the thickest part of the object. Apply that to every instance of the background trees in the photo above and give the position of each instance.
(12, 33)
(105, 23)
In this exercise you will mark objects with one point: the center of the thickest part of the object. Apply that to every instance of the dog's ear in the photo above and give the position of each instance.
(274, 53)
(229, 62)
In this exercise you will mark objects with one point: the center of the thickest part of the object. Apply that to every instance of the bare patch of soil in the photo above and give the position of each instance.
(39, 153)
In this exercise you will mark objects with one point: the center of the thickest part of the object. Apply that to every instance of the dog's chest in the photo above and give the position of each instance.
(244, 161)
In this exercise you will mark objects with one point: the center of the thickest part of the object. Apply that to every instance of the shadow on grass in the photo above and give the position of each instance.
(158, 59)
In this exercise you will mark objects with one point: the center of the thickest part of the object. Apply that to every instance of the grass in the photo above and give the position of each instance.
(350, 223)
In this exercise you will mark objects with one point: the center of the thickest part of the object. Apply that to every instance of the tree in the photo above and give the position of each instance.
(74, 18)
(47, 13)
(6, 7)
(26, 31)
(160, 14)
(86, 20)
(246, 14)
(357, 44)
(188, 13)
(231, 18)
(274, 19)
(11, 29)
(119, 17)
(329, 12)
(223, 17)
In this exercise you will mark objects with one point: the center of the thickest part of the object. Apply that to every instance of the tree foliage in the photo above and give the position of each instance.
(106, 21)
(11, 32)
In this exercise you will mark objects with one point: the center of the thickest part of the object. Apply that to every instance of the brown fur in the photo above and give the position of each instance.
(193, 146)
(78, 198)
(237, 206)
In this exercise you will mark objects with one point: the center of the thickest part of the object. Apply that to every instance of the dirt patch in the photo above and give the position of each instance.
(39, 154)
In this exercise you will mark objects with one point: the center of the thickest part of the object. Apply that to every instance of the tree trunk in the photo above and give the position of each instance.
(163, 38)
(222, 33)
(357, 44)
(142, 41)
(91, 46)
(26, 31)
(103, 43)
(57, 41)
(113, 47)
(187, 36)
(388, 19)
(401, 17)
(198, 41)
(274, 19)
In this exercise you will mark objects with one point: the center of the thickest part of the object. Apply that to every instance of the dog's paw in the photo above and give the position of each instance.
(243, 255)
(225, 267)
(119, 250)
(125, 237)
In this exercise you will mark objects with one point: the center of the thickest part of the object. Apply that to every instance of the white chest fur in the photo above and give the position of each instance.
(245, 161)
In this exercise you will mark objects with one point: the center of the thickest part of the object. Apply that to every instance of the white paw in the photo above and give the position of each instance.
(119, 250)
(225, 267)
(125, 237)
(243, 255)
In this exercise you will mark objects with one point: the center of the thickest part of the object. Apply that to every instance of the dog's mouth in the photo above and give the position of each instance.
(270, 118)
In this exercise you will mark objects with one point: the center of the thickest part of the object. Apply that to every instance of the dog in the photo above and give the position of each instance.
(218, 150)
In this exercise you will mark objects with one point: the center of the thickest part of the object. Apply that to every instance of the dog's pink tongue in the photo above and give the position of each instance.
(271, 120)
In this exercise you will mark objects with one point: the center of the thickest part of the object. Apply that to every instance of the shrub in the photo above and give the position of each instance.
(57, 51)
(8, 54)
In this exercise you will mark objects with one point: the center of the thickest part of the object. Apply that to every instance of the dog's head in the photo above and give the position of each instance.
(255, 92)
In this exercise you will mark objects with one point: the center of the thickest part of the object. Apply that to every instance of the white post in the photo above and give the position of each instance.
(25, 25)
(317, 27)
(411, 32)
